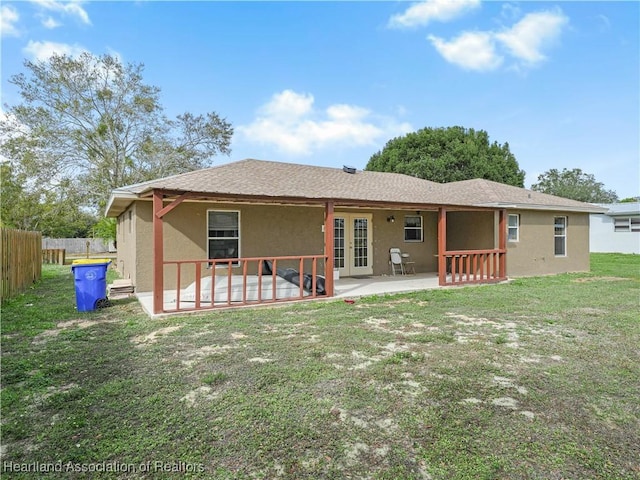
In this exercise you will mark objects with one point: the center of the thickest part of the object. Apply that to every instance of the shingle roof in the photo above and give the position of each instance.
(614, 209)
(278, 179)
(267, 179)
(481, 192)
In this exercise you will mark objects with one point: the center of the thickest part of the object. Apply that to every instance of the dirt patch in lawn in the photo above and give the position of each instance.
(599, 279)
(153, 336)
(81, 323)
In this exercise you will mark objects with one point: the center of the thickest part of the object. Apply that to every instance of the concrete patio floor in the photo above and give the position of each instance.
(346, 288)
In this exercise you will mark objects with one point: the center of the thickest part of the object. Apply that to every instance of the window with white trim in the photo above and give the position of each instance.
(626, 224)
(513, 228)
(223, 234)
(413, 228)
(560, 236)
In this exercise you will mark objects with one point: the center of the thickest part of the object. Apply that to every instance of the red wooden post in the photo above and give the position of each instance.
(229, 272)
(314, 272)
(213, 283)
(328, 248)
(260, 264)
(198, 284)
(442, 246)
(178, 282)
(502, 243)
(158, 254)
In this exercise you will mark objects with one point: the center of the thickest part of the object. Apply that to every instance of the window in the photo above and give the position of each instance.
(626, 224)
(513, 230)
(223, 234)
(338, 243)
(560, 236)
(413, 228)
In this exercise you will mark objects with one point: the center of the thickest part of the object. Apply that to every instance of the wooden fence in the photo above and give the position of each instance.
(21, 260)
(54, 255)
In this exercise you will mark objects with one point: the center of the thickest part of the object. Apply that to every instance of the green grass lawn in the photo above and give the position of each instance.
(538, 378)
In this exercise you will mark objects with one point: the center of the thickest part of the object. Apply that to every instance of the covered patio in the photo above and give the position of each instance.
(246, 284)
(350, 288)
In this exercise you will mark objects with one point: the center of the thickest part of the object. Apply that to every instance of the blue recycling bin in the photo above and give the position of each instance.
(91, 283)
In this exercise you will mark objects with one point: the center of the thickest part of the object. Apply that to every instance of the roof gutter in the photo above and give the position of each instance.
(554, 208)
(119, 195)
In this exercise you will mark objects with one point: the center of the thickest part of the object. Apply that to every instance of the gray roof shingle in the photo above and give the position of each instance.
(267, 179)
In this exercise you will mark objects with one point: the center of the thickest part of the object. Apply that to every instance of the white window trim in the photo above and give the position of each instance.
(566, 225)
(626, 224)
(224, 265)
(421, 229)
(516, 227)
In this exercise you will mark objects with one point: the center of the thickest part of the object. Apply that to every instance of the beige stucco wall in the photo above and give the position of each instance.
(471, 230)
(264, 231)
(272, 230)
(388, 235)
(534, 253)
(126, 244)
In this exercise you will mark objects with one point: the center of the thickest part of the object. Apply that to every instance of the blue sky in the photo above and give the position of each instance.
(329, 83)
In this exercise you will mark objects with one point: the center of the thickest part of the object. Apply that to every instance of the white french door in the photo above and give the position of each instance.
(353, 244)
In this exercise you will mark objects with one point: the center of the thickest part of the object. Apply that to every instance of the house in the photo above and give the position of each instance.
(617, 230)
(225, 223)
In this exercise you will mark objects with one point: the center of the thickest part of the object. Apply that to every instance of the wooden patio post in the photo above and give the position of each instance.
(158, 254)
(502, 244)
(442, 246)
(328, 248)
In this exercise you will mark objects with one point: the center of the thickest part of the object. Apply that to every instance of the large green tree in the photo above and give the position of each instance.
(574, 184)
(91, 124)
(448, 155)
(55, 212)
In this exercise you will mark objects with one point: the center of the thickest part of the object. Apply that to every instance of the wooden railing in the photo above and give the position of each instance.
(475, 266)
(238, 281)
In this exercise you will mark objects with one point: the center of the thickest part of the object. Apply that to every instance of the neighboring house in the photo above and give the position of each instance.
(234, 216)
(617, 230)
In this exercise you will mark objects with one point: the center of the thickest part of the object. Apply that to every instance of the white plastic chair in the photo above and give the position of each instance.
(396, 260)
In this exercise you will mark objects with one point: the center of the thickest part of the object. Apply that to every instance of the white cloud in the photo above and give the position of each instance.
(42, 51)
(72, 9)
(421, 14)
(288, 105)
(471, 51)
(8, 18)
(526, 39)
(289, 123)
(51, 23)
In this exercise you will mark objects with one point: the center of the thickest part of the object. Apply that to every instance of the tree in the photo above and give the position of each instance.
(106, 229)
(448, 155)
(574, 184)
(92, 123)
(53, 212)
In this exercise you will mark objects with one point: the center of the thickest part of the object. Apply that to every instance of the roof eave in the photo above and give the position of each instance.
(119, 201)
(554, 208)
